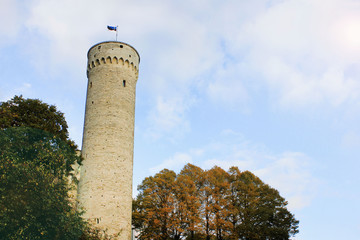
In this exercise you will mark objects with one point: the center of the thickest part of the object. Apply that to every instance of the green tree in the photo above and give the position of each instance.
(34, 113)
(259, 212)
(36, 158)
(34, 186)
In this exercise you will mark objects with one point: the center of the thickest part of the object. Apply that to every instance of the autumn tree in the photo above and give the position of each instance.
(234, 204)
(212, 204)
(188, 186)
(206, 201)
(154, 208)
(218, 188)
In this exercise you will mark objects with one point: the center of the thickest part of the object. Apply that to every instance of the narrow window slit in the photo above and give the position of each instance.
(124, 83)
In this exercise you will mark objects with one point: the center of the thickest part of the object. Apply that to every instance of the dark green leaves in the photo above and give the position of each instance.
(34, 182)
(35, 114)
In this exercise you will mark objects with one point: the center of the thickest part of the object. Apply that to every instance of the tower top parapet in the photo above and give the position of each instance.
(115, 43)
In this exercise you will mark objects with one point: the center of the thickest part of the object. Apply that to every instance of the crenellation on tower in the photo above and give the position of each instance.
(115, 60)
(127, 53)
(105, 188)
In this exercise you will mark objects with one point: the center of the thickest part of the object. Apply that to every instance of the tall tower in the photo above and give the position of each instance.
(105, 188)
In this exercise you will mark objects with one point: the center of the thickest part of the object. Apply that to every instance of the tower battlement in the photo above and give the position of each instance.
(113, 53)
(112, 60)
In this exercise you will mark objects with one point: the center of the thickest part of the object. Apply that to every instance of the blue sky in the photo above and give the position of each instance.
(269, 86)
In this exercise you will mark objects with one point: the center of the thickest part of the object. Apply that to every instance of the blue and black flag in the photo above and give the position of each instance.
(112, 28)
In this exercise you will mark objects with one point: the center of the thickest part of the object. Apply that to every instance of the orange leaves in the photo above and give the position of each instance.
(212, 204)
(154, 207)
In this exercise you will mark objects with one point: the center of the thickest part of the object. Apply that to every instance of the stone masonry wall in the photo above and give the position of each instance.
(105, 188)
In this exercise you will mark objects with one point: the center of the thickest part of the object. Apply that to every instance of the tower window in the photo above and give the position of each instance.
(90, 84)
(129, 55)
(124, 83)
(121, 46)
(97, 221)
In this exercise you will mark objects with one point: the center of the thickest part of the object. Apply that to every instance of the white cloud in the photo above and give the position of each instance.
(242, 164)
(10, 21)
(25, 89)
(180, 48)
(65, 29)
(288, 172)
(168, 116)
(174, 163)
(296, 88)
(228, 86)
(303, 48)
(298, 51)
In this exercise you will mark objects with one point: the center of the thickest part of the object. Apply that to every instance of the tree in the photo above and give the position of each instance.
(34, 113)
(207, 201)
(36, 158)
(218, 187)
(235, 203)
(258, 211)
(213, 204)
(188, 185)
(154, 209)
(34, 187)
(40, 148)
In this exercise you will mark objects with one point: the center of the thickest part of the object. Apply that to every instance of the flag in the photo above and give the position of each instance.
(112, 28)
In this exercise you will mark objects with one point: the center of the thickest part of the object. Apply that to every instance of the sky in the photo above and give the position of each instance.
(270, 86)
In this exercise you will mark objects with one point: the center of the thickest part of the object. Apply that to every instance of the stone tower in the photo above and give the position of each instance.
(105, 188)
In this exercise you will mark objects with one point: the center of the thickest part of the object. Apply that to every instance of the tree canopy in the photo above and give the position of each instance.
(34, 186)
(212, 204)
(34, 113)
(36, 158)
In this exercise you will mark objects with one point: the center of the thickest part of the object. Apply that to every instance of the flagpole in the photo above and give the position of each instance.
(116, 31)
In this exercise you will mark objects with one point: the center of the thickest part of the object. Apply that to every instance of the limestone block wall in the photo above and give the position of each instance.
(105, 188)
